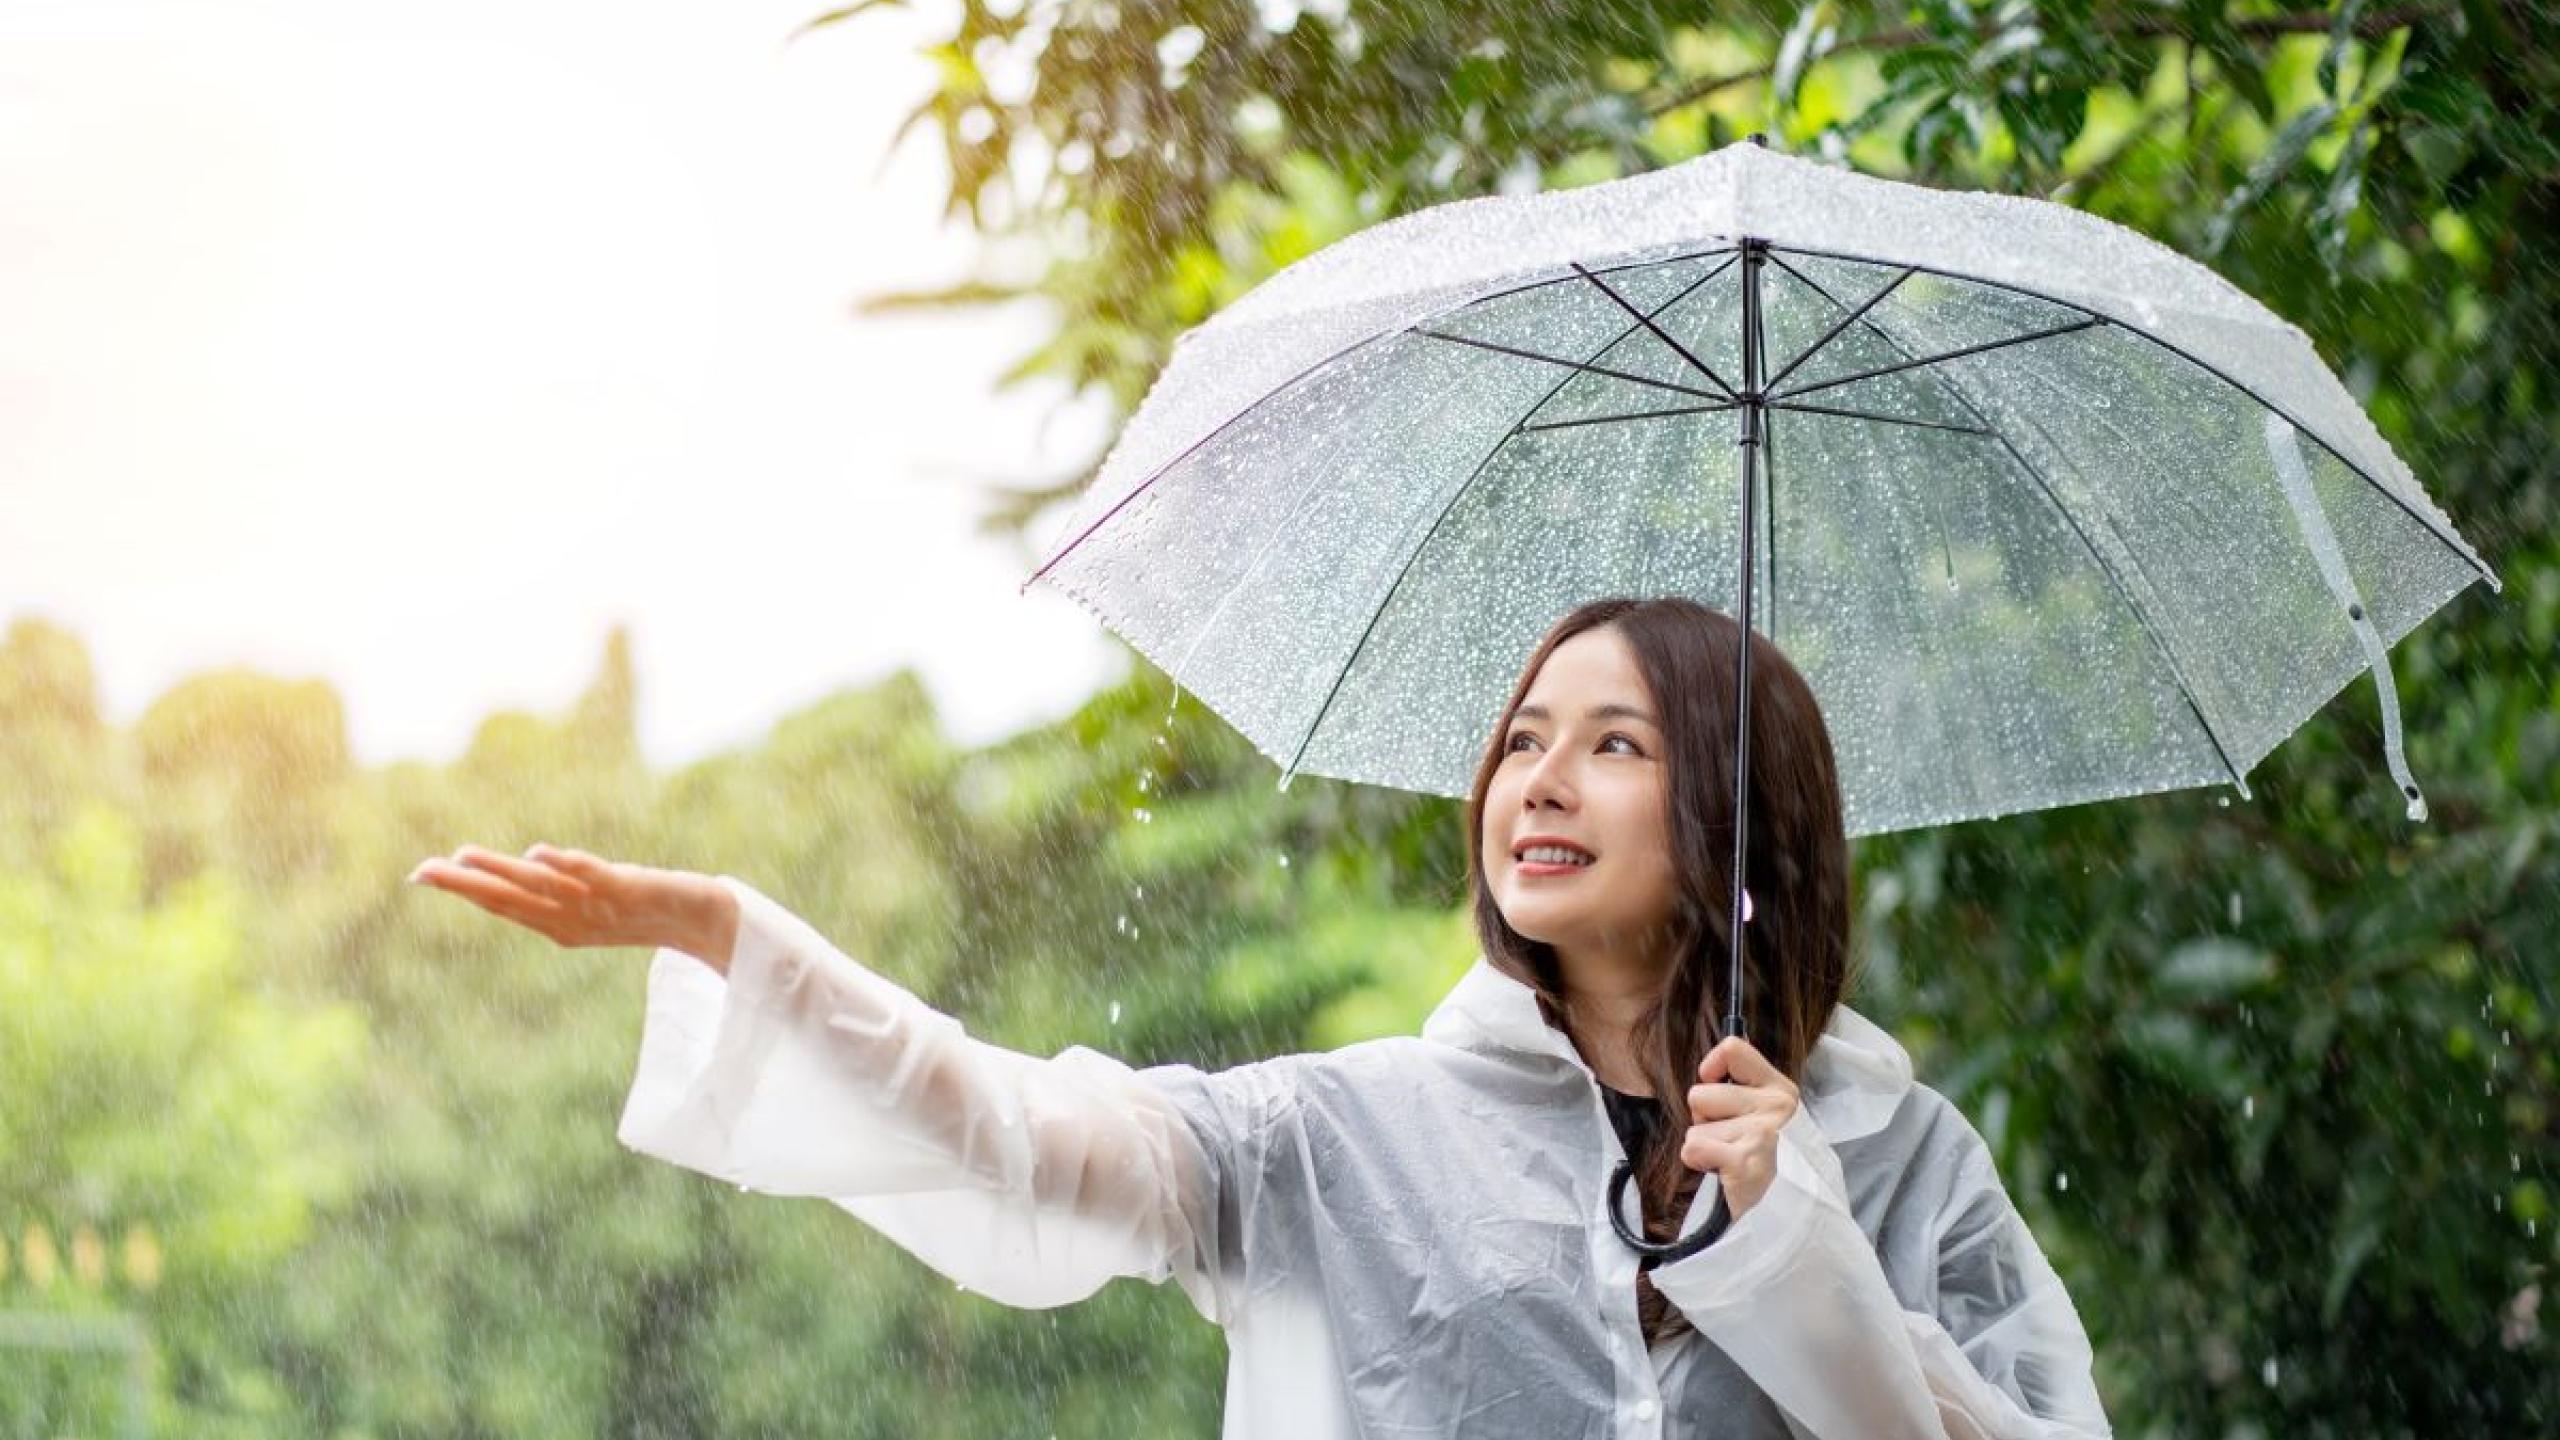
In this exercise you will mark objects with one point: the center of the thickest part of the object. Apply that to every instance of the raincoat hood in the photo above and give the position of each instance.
(1854, 1080)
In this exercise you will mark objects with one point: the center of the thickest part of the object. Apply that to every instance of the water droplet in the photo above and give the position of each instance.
(1142, 815)
(1284, 860)
(1115, 1005)
(2235, 908)
(2266, 1372)
(2222, 800)
(1145, 780)
(2248, 1107)
(1122, 923)
(1137, 892)
(2062, 1180)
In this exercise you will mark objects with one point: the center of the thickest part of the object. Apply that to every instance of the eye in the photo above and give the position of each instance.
(1512, 742)
(1631, 744)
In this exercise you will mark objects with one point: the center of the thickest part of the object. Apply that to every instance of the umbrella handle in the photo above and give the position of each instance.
(1664, 1250)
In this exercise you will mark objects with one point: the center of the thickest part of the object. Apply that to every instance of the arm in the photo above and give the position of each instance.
(1795, 1294)
(801, 1072)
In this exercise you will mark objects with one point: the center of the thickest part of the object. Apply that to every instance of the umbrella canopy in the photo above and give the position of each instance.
(2043, 511)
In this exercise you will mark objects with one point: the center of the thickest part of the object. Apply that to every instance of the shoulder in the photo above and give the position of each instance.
(1927, 1156)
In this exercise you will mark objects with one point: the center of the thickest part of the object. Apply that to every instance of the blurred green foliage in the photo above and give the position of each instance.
(2277, 1082)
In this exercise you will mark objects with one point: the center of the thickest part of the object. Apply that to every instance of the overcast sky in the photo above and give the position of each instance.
(414, 347)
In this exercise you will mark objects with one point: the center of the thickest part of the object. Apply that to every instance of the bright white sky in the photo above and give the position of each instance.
(412, 347)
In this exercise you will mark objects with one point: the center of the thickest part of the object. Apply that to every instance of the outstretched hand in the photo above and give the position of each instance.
(575, 899)
(1740, 1104)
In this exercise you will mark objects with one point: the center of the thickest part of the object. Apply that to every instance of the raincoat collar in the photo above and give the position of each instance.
(1853, 1081)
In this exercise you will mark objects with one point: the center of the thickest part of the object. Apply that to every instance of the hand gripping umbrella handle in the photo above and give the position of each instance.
(1718, 1218)
(1664, 1250)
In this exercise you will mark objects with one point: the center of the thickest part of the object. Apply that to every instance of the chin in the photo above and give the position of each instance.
(1538, 923)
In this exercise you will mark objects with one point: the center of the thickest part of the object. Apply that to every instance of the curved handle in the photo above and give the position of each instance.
(1663, 1250)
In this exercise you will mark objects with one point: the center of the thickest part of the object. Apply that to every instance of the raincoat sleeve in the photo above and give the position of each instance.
(1796, 1295)
(1032, 1181)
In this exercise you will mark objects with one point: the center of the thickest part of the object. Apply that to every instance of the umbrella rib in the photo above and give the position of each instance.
(1843, 323)
(2124, 593)
(1388, 596)
(2217, 372)
(1272, 540)
(1187, 452)
(1716, 409)
(1879, 419)
(1941, 358)
(1658, 332)
(1168, 466)
(1584, 366)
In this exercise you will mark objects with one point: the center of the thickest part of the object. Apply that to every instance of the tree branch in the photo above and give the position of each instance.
(2262, 27)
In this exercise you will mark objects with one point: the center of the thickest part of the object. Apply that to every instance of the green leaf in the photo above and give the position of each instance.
(2213, 968)
(2338, 201)
(2342, 33)
(948, 297)
(841, 14)
(1807, 40)
(2282, 154)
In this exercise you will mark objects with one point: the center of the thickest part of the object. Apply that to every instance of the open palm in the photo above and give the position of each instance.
(575, 899)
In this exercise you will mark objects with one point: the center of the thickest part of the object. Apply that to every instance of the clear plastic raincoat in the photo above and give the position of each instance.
(1405, 1237)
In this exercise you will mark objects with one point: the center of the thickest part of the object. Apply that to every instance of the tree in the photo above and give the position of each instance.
(157, 1112)
(2275, 1081)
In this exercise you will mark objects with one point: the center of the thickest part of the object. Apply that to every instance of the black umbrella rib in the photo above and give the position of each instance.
(1221, 428)
(1584, 366)
(1938, 359)
(1658, 332)
(1769, 490)
(1186, 453)
(1843, 323)
(1806, 409)
(1389, 595)
(2106, 567)
(1716, 409)
(2208, 367)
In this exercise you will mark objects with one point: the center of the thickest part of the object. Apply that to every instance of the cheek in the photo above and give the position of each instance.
(1644, 832)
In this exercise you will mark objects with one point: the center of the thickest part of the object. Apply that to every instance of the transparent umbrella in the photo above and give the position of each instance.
(2044, 511)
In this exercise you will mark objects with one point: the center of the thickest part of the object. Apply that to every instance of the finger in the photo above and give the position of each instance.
(594, 870)
(499, 897)
(1723, 1155)
(1736, 1058)
(539, 879)
(1724, 1100)
(1719, 1062)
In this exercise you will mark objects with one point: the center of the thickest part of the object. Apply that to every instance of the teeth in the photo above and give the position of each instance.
(1554, 855)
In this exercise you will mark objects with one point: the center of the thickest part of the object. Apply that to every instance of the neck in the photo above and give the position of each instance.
(1608, 989)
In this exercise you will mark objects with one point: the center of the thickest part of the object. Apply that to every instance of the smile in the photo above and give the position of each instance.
(1542, 860)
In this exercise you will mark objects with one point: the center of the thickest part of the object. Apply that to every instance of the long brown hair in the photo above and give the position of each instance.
(1797, 944)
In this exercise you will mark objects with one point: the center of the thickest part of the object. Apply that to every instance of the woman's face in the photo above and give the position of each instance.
(1584, 760)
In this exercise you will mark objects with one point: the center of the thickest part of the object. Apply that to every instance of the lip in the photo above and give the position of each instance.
(1537, 867)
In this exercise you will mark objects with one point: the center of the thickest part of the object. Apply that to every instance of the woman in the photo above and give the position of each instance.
(1410, 1236)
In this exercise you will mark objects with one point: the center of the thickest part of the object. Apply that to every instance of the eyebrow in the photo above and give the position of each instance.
(1597, 712)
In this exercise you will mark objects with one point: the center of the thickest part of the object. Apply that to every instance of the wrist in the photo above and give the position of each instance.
(711, 929)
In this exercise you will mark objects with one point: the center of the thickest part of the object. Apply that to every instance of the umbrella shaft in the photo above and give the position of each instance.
(1753, 413)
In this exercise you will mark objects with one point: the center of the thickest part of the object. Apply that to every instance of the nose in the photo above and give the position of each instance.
(1548, 784)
